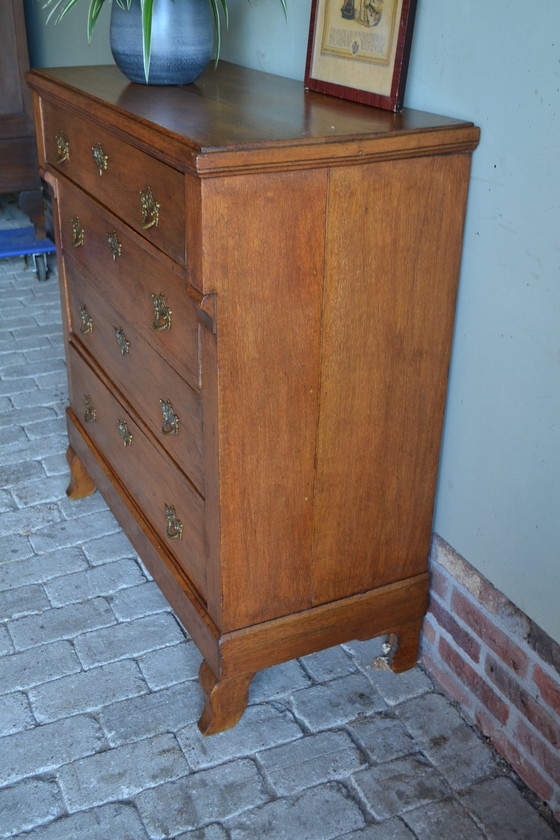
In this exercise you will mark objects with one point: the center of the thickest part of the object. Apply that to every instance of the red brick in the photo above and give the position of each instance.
(522, 700)
(429, 633)
(496, 639)
(530, 742)
(520, 762)
(476, 684)
(549, 689)
(448, 682)
(439, 582)
(460, 636)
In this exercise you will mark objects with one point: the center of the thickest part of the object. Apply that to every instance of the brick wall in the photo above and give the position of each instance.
(501, 668)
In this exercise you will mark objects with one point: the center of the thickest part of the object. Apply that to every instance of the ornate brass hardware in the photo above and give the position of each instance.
(149, 209)
(78, 233)
(89, 414)
(162, 313)
(170, 420)
(114, 245)
(122, 340)
(124, 433)
(100, 158)
(87, 321)
(174, 528)
(62, 148)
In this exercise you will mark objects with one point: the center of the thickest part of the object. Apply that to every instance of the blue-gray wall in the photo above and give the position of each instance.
(497, 64)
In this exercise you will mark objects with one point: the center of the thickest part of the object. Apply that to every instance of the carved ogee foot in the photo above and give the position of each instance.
(224, 700)
(81, 484)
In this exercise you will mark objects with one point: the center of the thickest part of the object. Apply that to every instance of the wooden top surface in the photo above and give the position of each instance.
(231, 109)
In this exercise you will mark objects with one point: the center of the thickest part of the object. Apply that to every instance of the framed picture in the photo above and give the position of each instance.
(359, 50)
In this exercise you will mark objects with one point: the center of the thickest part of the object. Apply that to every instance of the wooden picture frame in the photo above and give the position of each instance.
(360, 49)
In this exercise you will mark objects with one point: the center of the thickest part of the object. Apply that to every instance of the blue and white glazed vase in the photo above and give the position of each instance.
(182, 41)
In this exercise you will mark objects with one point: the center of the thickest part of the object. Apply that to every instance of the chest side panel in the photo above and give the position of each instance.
(392, 262)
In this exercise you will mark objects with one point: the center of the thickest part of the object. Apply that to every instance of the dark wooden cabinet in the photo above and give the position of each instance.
(18, 150)
(258, 291)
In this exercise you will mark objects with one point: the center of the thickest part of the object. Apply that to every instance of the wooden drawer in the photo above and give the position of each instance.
(69, 142)
(153, 482)
(132, 280)
(164, 402)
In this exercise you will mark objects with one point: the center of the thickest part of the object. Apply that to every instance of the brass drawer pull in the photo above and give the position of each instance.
(149, 209)
(114, 245)
(78, 233)
(162, 313)
(62, 148)
(122, 340)
(87, 321)
(124, 432)
(170, 420)
(174, 527)
(89, 414)
(100, 158)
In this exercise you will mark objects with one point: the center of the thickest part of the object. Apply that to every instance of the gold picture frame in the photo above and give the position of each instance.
(360, 49)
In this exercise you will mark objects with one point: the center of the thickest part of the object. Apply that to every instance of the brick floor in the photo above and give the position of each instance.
(98, 690)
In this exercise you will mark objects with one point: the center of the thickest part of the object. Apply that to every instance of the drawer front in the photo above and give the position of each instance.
(173, 508)
(164, 402)
(147, 194)
(141, 288)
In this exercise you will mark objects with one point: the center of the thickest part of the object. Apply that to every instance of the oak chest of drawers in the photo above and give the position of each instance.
(258, 290)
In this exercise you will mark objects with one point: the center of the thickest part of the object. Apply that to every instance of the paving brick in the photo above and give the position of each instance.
(260, 727)
(124, 641)
(6, 644)
(108, 548)
(61, 623)
(502, 811)
(109, 822)
(388, 830)
(171, 665)
(28, 805)
(23, 601)
(206, 797)
(441, 821)
(15, 713)
(29, 520)
(75, 532)
(39, 491)
(400, 785)
(20, 671)
(77, 508)
(9, 436)
(211, 832)
(44, 428)
(86, 691)
(38, 569)
(322, 813)
(122, 772)
(137, 601)
(278, 681)
(452, 746)
(336, 702)
(167, 710)
(45, 748)
(328, 664)
(382, 737)
(55, 464)
(396, 688)
(35, 449)
(23, 416)
(310, 761)
(100, 581)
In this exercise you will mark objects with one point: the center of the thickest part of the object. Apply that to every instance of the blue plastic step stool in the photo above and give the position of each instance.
(22, 242)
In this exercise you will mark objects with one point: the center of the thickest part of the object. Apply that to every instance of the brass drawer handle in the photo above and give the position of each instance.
(78, 233)
(122, 340)
(62, 148)
(162, 313)
(170, 420)
(174, 527)
(124, 432)
(149, 209)
(87, 321)
(89, 414)
(100, 158)
(114, 245)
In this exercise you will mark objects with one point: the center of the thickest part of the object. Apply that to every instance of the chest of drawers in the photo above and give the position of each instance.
(258, 291)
